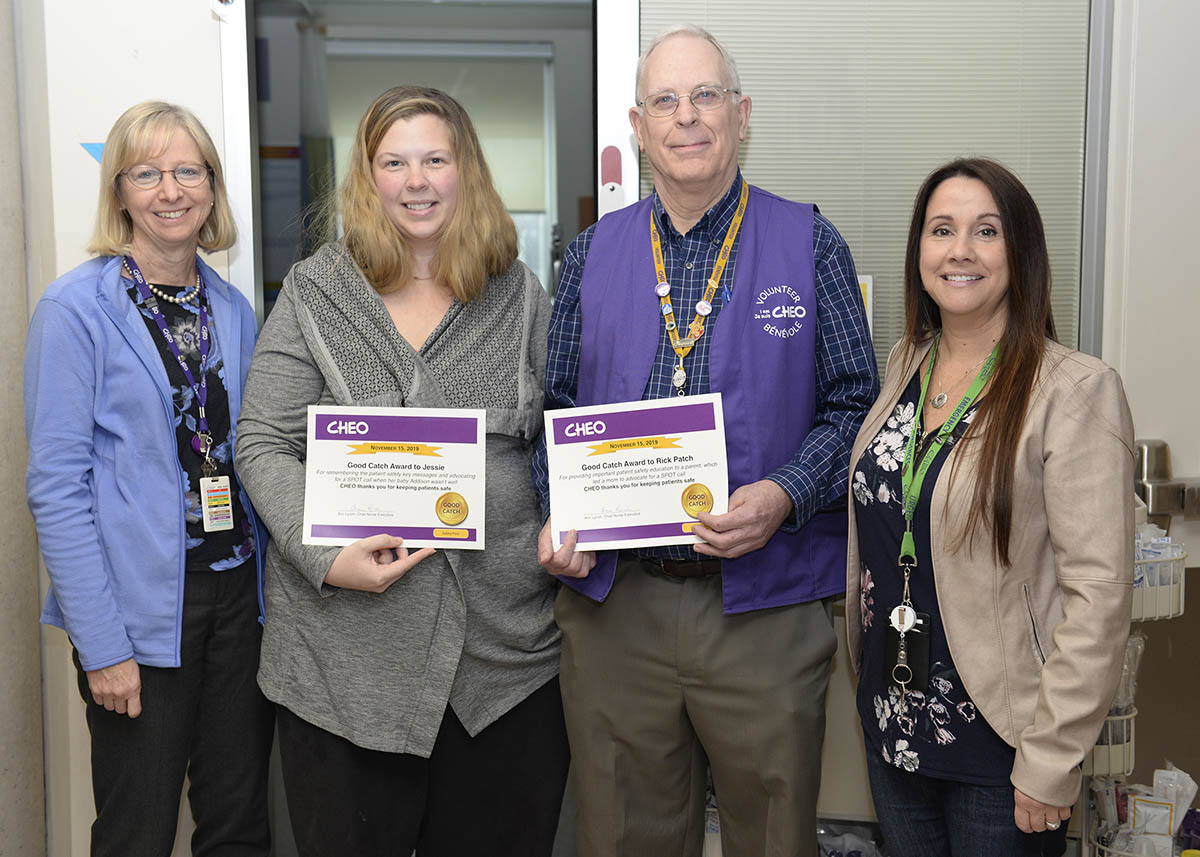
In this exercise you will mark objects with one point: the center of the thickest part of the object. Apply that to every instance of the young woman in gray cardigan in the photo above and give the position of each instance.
(418, 693)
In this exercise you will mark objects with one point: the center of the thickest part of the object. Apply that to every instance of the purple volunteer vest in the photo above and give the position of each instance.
(760, 360)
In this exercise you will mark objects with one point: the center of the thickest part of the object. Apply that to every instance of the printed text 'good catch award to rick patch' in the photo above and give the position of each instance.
(636, 474)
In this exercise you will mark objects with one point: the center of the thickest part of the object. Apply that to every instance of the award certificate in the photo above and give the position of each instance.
(636, 474)
(417, 473)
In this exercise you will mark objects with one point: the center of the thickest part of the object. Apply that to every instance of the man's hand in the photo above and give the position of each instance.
(755, 513)
(565, 561)
(1033, 816)
(118, 688)
(373, 564)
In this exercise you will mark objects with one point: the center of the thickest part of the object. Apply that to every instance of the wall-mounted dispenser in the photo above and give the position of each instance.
(1163, 494)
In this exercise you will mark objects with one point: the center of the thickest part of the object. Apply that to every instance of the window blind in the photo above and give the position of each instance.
(854, 102)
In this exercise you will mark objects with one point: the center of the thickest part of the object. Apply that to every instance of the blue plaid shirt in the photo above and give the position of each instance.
(847, 379)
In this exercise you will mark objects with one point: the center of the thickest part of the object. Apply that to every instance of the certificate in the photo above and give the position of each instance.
(417, 473)
(636, 474)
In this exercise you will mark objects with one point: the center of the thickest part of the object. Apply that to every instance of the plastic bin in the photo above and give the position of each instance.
(1162, 595)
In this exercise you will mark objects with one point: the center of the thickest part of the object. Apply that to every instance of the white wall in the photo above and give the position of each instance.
(1151, 294)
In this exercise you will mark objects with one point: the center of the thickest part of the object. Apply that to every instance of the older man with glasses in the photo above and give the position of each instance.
(716, 653)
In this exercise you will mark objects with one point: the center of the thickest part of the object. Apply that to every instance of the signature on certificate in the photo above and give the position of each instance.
(611, 512)
(363, 512)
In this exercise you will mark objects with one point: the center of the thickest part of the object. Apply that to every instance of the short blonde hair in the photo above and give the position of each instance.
(479, 242)
(142, 132)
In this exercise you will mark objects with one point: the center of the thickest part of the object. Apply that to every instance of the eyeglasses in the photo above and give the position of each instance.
(702, 97)
(188, 175)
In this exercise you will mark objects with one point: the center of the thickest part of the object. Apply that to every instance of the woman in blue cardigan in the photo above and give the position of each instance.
(134, 368)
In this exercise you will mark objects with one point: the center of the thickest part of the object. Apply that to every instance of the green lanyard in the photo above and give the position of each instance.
(903, 617)
(912, 477)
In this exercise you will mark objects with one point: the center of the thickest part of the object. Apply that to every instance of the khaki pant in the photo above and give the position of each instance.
(657, 683)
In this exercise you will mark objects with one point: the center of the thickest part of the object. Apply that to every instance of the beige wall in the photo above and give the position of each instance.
(1152, 315)
(22, 815)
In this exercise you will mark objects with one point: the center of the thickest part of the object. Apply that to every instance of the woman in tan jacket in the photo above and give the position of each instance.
(989, 574)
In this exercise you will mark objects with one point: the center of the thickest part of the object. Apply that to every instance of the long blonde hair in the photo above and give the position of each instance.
(141, 132)
(479, 242)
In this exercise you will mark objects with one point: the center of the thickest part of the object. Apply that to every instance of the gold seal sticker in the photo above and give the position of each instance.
(697, 498)
(451, 508)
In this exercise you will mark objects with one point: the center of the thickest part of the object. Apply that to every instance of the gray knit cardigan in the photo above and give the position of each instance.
(469, 629)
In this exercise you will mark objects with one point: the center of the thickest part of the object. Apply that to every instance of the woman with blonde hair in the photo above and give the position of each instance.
(134, 369)
(418, 692)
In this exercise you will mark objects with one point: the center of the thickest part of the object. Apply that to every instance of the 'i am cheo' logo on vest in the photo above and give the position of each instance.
(780, 311)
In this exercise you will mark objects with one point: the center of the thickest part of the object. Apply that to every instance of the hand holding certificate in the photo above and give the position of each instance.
(416, 473)
(636, 474)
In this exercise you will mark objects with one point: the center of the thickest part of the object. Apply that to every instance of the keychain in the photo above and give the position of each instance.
(903, 618)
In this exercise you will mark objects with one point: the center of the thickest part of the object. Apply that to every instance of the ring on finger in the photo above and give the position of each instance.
(1053, 825)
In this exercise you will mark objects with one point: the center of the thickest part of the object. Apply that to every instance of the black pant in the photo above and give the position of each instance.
(497, 794)
(207, 719)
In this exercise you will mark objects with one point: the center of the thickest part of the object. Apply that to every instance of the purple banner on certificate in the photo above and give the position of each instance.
(616, 425)
(642, 531)
(354, 532)
(381, 427)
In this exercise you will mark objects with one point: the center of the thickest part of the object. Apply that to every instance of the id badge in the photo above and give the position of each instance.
(216, 504)
(916, 644)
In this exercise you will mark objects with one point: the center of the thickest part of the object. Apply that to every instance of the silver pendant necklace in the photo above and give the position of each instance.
(939, 401)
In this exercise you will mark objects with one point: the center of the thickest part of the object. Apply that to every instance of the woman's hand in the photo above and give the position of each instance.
(566, 561)
(118, 688)
(373, 564)
(1033, 816)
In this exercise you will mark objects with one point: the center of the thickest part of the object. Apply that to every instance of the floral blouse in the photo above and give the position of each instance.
(222, 550)
(938, 732)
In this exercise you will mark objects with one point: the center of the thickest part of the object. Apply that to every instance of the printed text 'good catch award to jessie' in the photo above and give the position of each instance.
(417, 473)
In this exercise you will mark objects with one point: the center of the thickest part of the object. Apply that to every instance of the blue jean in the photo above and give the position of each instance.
(926, 817)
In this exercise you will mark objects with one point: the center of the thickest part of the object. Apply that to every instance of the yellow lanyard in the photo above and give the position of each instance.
(683, 345)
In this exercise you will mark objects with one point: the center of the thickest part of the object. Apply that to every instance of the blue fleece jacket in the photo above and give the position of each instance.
(104, 483)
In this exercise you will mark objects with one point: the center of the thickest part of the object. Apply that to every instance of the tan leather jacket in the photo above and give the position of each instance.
(1039, 645)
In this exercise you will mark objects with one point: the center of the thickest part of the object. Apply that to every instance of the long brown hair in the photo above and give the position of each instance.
(480, 241)
(1001, 413)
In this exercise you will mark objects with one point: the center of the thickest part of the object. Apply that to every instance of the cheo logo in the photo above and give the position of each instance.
(347, 427)
(585, 429)
(781, 311)
(788, 312)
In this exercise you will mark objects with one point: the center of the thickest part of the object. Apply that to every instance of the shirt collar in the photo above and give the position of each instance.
(715, 221)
